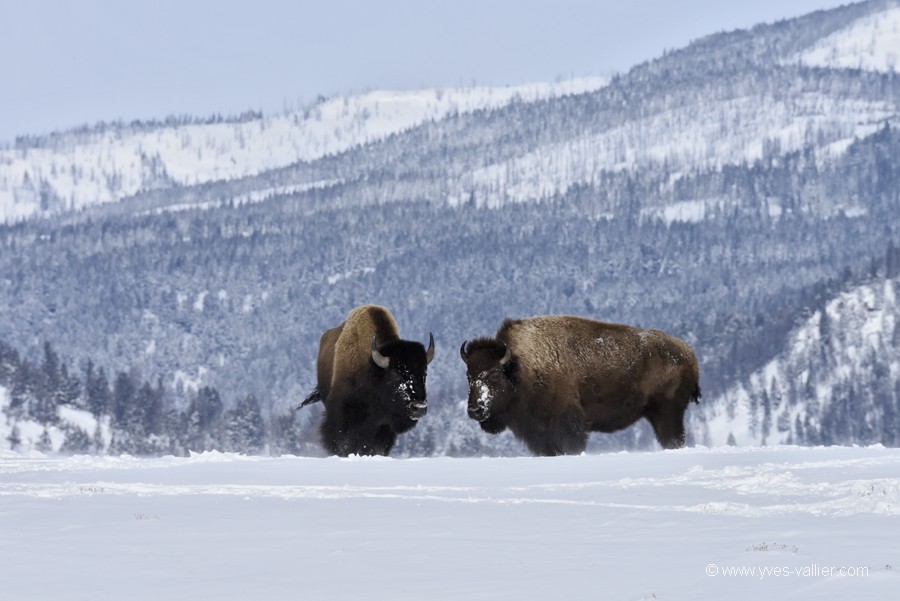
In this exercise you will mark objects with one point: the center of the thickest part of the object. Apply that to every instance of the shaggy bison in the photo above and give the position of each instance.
(551, 380)
(371, 382)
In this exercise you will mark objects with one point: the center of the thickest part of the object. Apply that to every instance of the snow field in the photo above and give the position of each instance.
(619, 526)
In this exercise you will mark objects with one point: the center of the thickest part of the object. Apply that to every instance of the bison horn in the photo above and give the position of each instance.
(462, 350)
(429, 354)
(379, 359)
(507, 356)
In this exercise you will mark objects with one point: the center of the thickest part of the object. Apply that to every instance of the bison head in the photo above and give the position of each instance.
(402, 364)
(488, 367)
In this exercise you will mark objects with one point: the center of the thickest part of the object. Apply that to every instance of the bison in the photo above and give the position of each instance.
(371, 383)
(554, 379)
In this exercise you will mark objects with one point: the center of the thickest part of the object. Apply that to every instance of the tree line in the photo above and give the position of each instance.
(121, 413)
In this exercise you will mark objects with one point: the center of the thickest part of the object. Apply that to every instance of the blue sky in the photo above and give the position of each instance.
(65, 63)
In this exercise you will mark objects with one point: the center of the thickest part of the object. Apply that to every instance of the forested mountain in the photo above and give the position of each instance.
(727, 193)
(110, 162)
(837, 379)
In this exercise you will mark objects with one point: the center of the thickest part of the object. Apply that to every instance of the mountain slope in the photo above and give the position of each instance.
(838, 378)
(73, 170)
(725, 100)
(871, 43)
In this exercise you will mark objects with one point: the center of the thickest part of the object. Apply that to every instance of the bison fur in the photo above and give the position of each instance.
(554, 379)
(371, 382)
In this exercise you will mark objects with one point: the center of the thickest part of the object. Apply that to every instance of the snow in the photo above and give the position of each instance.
(686, 211)
(186, 381)
(201, 299)
(799, 523)
(841, 344)
(30, 431)
(78, 418)
(334, 279)
(683, 138)
(79, 170)
(484, 396)
(871, 43)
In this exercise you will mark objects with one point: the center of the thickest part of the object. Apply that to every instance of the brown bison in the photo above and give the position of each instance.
(554, 379)
(371, 382)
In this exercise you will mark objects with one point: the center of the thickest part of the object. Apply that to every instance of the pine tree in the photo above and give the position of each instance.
(51, 368)
(244, 427)
(153, 413)
(123, 398)
(97, 442)
(204, 420)
(70, 390)
(99, 397)
(19, 395)
(44, 444)
(9, 363)
(77, 442)
(14, 438)
(45, 388)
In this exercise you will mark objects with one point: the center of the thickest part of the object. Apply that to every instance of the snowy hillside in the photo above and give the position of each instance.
(840, 370)
(709, 134)
(722, 122)
(715, 103)
(871, 43)
(736, 524)
(73, 170)
(30, 435)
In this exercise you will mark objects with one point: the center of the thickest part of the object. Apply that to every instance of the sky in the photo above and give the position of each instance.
(65, 63)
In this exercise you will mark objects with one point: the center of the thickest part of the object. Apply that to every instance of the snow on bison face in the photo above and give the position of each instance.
(404, 365)
(490, 389)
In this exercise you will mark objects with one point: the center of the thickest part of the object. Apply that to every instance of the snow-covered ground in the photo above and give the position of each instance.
(730, 523)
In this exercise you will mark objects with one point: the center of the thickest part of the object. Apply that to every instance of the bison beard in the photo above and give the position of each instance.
(552, 380)
(372, 391)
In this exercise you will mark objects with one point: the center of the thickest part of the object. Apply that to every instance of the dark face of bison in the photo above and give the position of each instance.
(488, 364)
(402, 365)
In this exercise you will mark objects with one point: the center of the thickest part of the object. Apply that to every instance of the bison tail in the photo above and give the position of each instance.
(695, 396)
(314, 397)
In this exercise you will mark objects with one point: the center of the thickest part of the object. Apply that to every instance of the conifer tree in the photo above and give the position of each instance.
(15, 438)
(245, 430)
(44, 444)
(99, 397)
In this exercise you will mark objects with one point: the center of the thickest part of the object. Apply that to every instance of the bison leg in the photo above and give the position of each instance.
(383, 441)
(332, 438)
(668, 425)
(337, 437)
(355, 439)
(564, 434)
(345, 430)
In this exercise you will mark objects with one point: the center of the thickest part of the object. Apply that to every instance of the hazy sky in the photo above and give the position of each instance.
(68, 62)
